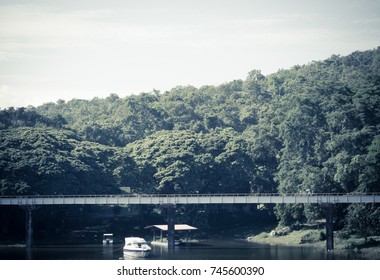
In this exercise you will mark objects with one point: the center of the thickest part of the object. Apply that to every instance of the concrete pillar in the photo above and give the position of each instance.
(29, 231)
(329, 211)
(171, 224)
(329, 228)
(29, 227)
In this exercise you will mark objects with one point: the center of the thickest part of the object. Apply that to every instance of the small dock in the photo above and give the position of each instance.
(183, 231)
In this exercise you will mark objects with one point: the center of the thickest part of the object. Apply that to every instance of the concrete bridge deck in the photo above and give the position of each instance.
(158, 199)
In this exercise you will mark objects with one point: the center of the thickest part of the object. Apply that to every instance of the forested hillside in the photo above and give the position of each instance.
(310, 128)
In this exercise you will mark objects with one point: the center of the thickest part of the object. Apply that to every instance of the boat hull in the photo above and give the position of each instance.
(136, 253)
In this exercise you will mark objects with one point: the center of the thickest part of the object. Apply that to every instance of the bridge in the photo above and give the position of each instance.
(163, 199)
(325, 200)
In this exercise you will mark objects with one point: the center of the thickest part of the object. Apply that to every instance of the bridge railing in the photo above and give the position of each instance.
(190, 195)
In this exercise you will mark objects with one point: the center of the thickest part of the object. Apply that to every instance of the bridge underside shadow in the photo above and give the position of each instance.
(326, 201)
(170, 209)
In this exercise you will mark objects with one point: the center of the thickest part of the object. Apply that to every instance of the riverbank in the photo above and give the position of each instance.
(367, 248)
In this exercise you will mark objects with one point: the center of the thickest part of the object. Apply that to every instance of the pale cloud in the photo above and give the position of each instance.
(28, 27)
(4, 90)
(51, 51)
(6, 96)
(33, 27)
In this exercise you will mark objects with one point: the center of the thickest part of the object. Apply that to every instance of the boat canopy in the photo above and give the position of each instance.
(177, 227)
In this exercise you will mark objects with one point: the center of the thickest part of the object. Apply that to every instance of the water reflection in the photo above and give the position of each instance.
(237, 250)
(108, 251)
(217, 249)
(28, 253)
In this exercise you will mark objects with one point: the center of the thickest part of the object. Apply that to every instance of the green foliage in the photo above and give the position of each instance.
(289, 214)
(313, 236)
(189, 162)
(363, 219)
(49, 161)
(20, 117)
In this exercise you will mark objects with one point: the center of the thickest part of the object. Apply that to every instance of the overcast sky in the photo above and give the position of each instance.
(52, 50)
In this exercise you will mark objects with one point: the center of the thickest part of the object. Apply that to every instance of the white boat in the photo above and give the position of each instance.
(136, 247)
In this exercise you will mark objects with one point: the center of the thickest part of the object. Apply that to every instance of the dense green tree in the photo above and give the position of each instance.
(48, 161)
(189, 162)
(363, 219)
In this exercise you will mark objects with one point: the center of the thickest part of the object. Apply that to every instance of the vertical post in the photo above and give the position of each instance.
(188, 238)
(329, 211)
(28, 231)
(29, 227)
(329, 228)
(171, 230)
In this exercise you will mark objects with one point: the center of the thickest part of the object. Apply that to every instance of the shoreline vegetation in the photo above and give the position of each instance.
(368, 248)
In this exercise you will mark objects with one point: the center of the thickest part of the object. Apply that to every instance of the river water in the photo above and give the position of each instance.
(213, 249)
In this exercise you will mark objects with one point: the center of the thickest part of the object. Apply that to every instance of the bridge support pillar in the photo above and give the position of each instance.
(171, 223)
(29, 230)
(329, 210)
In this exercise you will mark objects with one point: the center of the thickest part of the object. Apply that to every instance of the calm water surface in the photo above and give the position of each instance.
(213, 249)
